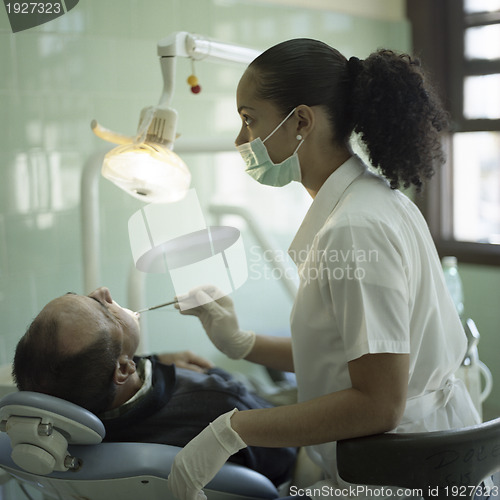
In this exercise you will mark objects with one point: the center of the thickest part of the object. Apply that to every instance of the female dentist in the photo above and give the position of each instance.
(375, 338)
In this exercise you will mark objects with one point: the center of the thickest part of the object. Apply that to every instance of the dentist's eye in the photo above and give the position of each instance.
(247, 120)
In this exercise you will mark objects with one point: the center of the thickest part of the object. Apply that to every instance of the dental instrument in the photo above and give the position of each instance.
(157, 307)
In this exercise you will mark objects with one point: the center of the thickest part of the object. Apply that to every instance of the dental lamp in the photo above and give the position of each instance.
(145, 166)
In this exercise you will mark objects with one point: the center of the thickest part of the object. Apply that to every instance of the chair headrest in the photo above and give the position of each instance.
(40, 427)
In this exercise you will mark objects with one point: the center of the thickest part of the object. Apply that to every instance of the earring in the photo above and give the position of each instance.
(299, 137)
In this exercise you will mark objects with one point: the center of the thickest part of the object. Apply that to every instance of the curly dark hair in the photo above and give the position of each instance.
(386, 99)
(84, 378)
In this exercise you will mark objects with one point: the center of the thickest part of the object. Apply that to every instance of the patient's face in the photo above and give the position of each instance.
(82, 318)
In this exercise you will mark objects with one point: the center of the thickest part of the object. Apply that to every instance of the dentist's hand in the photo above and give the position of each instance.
(216, 313)
(200, 460)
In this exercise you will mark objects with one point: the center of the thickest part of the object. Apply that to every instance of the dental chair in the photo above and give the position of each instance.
(444, 464)
(55, 447)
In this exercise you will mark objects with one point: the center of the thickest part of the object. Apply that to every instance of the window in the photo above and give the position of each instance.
(459, 44)
(476, 200)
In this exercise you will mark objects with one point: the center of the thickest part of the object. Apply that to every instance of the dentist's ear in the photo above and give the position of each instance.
(124, 368)
(305, 120)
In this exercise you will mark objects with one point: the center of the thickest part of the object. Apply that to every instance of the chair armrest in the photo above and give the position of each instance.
(419, 460)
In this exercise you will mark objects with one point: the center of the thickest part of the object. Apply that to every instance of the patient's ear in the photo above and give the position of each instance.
(123, 369)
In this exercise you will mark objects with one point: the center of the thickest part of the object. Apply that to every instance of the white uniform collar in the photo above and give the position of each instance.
(325, 201)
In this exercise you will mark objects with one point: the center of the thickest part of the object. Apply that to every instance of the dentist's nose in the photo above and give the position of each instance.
(241, 138)
(103, 294)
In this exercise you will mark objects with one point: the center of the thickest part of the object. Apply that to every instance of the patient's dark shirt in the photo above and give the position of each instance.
(182, 403)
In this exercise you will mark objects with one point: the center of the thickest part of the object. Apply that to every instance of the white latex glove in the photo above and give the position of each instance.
(216, 313)
(200, 460)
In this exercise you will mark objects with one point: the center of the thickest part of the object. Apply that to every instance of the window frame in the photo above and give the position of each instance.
(438, 28)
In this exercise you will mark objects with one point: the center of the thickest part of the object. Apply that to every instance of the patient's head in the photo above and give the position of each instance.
(79, 348)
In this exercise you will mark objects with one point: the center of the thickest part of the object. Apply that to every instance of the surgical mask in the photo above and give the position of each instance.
(260, 166)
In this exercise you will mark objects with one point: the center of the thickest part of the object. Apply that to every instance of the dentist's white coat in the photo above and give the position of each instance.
(371, 282)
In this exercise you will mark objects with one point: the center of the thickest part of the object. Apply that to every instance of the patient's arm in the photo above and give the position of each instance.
(185, 359)
(273, 352)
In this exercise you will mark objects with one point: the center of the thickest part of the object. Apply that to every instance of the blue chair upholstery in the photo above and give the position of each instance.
(111, 470)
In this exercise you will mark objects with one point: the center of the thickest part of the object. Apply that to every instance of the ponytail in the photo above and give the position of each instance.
(398, 117)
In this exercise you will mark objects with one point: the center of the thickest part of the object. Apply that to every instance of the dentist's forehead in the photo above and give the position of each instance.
(246, 86)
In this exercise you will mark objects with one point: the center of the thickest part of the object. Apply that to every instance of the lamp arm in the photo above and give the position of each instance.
(184, 44)
(167, 64)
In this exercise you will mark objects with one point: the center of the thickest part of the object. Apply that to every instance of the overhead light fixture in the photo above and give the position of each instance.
(148, 171)
(145, 166)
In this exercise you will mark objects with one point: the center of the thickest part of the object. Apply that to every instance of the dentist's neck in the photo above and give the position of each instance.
(317, 171)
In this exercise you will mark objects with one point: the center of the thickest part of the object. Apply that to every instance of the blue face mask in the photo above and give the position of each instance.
(260, 166)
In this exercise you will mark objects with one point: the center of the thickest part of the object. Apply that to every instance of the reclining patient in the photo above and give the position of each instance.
(82, 349)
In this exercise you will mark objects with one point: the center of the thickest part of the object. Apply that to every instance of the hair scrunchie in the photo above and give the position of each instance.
(354, 68)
